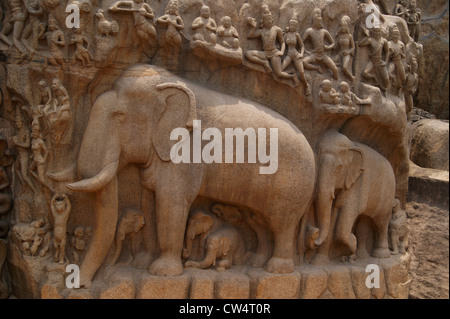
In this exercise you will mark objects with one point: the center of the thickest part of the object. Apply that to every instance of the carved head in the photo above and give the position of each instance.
(413, 4)
(345, 88)
(172, 7)
(293, 23)
(344, 26)
(326, 85)
(36, 130)
(226, 22)
(395, 33)
(42, 85)
(60, 203)
(205, 12)
(317, 18)
(56, 84)
(52, 23)
(79, 232)
(267, 20)
(376, 33)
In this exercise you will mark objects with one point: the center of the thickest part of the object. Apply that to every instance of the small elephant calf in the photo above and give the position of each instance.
(398, 229)
(224, 248)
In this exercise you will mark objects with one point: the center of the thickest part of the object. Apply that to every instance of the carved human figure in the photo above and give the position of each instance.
(348, 98)
(130, 224)
(79, 242)
(205, 27)
(224, 248)
(81, 43)
(376, 69)
(346, 47)
(58, 112)
(6, 159)
(60, 206)
(411, 85)
(269, 35)
(34, 28)
(106, 28)
(31, 236)
(15, 24)
(397, 56)
(318, 35)
(398, 229)
(328, 95)
(293, 41)
(400, 9)
(171, 41)
(39, 155)
(414, 20)
(228, 36)
(23, 142)
(143, 18)
(56, 43)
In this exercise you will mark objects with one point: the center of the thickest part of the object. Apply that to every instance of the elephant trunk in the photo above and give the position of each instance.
(188, 243)
(324, 200)
(210, 257)
(106, 217)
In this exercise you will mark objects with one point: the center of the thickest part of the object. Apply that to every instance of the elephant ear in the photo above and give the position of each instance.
(356, 167)
(178, 110)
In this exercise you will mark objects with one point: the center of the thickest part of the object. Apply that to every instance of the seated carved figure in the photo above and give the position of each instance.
(205, 27)
(227, 34)
(327, 94)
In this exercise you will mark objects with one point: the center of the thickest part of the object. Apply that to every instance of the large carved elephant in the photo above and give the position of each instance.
(353, 181)
(132, 124)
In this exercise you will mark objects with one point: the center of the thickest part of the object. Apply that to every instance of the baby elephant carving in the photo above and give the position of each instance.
(398, 229)
(224, 248)
(130, 224)
(199, 225)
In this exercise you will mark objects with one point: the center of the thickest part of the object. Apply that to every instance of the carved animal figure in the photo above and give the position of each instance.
(353, 180)
(105, 27)
(199, 225)
(398, 229)
(225, 246)
(135, 120)
(130, 224)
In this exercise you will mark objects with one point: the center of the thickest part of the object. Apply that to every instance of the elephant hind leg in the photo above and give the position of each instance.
(282, 260)
(382, 245)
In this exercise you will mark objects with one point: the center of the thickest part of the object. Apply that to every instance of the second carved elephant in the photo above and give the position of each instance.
(134, 121)
(353, 181)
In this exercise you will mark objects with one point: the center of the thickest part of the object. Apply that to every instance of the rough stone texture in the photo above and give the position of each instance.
(314, 283)
(429, 249)
(232, 285)
(154, 287)
(268, 286)
(429, 186)
(430, 144)
(434, 71)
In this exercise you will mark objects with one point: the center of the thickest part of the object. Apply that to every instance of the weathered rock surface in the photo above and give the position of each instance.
(430, 144)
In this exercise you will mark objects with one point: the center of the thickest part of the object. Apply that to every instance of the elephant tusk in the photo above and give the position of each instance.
(98, 182)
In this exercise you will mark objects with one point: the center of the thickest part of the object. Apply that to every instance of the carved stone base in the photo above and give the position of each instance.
(332, 281)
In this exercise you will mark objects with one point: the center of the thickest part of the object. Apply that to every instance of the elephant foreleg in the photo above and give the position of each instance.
(322, 254)
(344, 226)
(171, 218)
(263, 246)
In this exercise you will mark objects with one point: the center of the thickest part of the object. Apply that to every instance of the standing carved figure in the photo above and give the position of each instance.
(56, 43)
(397, 56)
(400, 9)
(35, 27)
(82, 48)
(171, 41)
(317, 35)
(15, 25)
(294, 40)
(40, 155)
(414, 20)
(23, 142)
(205, 27)
(269, 35)
(60, 207)
(58, 112)
(398, 229)
(411, 85)
(346, 46)
(376, 69)
(5, 199)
